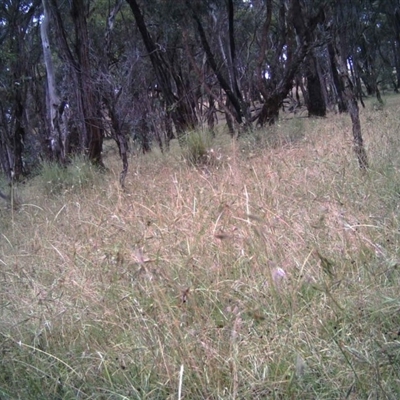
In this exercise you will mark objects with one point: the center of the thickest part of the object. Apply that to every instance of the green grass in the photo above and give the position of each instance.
(75, 176)
(271, 274)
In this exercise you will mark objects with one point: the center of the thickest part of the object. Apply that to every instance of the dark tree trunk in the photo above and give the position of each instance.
(355, 77)
(229, 119)
(92, 138)
(13, 100)
(110, 98)
(244, 109)
(394, 17)
(186, 105)
(297, 49)
(357, 135)
(142, 134)
(211, 117)
(352, 106)
(396, 53)
(119, 137)
(316, 103)
(178, 108)
(19, 136)
(270, 110)
(169, 132)
(336, 80)
(232, 91)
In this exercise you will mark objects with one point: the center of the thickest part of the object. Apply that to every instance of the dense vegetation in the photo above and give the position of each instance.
(270, 271)
(251, 250)
(75, 72)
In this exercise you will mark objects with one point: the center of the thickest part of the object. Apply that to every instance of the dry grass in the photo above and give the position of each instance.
(270, 274)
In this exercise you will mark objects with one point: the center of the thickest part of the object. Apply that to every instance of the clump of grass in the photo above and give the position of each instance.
(284, 133)
(197, 148)
(76, 175)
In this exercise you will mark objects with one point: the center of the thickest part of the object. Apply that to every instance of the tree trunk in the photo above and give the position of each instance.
(56, 115)
(352, 106)
(163, 72)
(119, 137)
(19, 136)
(92, 137)
(13, 99)
(232, 93)
(297, 49)
(316, 103)
(110, 98)
(270, 110)
(336, 80)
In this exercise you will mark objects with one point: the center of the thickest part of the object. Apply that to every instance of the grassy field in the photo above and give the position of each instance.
(271, 272)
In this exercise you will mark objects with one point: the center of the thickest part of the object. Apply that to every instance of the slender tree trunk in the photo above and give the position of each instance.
(110, 98)
(19, 136)
(236, 102)
(211, 117)
(163, 73)
(336, 80)
(232, 66)
(352, 106)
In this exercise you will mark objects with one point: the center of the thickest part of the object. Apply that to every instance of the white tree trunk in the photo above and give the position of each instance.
(53, 101)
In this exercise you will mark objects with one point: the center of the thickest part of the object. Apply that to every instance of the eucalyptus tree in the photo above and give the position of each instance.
(56, 118)
(214, 22)
(73, 44)
(341, 43)
(109, 84)
(286, 40)
(163, 44)
(18, 51)
(388, 28)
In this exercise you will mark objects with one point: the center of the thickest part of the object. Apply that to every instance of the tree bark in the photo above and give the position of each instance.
(352, 106)
(297, 49)
(92, 138)
(336, 80)
(110, 98)
(56, 115)
(13, 102)
(316, 103)
(232, 94)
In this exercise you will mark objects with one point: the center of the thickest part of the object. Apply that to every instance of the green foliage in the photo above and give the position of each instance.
(196, 148)
(75, 176)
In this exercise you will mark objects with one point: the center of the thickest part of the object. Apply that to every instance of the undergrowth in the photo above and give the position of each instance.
(273, 275)
(76, 175)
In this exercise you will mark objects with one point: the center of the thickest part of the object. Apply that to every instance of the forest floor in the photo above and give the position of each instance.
(271, 272)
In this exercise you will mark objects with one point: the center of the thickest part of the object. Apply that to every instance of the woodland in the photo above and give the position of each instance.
(75, 73)
(199, 199)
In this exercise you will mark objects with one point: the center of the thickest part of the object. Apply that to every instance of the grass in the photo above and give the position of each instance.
(272, 274)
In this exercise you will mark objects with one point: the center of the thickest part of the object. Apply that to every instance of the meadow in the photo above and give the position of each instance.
(270, 271)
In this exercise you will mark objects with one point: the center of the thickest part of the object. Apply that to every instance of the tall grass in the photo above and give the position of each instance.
(273, 276)
(77, 175)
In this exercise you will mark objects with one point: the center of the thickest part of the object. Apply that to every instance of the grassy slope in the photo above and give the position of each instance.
(273, 274)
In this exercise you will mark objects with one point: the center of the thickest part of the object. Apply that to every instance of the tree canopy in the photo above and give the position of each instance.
(73, 73)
